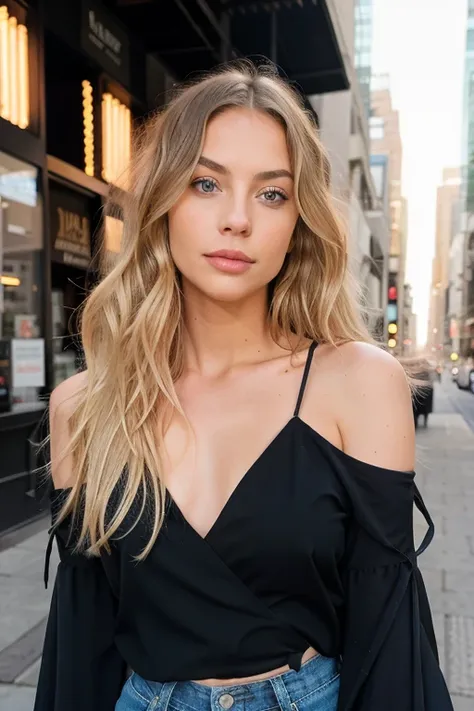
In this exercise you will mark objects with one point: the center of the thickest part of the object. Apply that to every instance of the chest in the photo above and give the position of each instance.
(283, 528)
(229, 428)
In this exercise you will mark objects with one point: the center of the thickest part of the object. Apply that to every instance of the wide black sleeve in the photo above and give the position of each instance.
(81, 669)
(390, 658)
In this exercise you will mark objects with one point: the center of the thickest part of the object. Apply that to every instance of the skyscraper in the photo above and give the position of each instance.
(446, 206)
(363, 48)
(467, 149)
(343, 122)
(386, 143)
(466, 314)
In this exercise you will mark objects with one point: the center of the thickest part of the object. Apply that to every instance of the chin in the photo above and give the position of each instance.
(231, 291)
(226, 296)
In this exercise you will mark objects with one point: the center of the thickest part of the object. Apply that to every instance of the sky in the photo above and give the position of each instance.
(420, 43)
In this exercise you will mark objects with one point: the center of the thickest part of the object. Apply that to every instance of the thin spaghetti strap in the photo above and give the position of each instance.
(307, 366)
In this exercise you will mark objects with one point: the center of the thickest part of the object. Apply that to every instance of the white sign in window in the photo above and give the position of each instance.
(27, 356)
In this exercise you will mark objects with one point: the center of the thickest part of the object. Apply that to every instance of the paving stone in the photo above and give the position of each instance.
(37, 542)
(16, 698)
(439, 624)
(462, 703)
(459, 580)
(19, 560)
(19, 656)
(452, 603)
(434, 580)
(24, 602)
(458, 524)
(460, 648)
(446, 561)
(30, 676)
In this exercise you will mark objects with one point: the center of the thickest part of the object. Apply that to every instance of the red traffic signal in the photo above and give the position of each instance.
(392, 293)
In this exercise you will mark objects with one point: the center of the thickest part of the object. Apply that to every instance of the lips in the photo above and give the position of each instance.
(229, 261)
(232, 254)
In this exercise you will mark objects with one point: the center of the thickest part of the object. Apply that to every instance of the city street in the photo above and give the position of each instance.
(296, 146)
(446, 478)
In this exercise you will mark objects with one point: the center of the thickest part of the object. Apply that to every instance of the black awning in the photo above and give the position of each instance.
(298, 35)
(190, 36)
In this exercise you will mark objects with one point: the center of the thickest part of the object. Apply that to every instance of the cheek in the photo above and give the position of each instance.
(276, 239)
(184, 223)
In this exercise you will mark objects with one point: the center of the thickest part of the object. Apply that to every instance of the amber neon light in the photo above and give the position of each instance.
(88, 122)
(113, 234)
(116, 140)
(9, 280)
(23, 73)
(14, 70)
(4, 65)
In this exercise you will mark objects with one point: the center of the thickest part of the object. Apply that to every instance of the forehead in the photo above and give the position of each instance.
(247, 136)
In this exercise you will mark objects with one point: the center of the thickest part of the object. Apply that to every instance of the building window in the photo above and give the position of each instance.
(378, 177)
(21, 293)
(470, 40)
(376, 126)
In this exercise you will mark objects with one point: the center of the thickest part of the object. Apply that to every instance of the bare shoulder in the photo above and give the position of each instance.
(64, 396)
(373, 405)
(63, 402)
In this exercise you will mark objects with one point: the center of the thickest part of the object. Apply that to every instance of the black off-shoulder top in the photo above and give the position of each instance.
(313, 548)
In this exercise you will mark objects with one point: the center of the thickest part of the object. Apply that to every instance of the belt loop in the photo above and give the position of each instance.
(281, 693)
(165, 696)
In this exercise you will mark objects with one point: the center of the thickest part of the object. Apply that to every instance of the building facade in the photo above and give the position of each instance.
(343, 119)
(386, 161)
(455, 296)
(363, 28)
(447, 205)
(464, 325)
(76, 77)
(467, 148)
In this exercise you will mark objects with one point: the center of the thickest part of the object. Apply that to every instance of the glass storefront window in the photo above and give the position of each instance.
(21, 243)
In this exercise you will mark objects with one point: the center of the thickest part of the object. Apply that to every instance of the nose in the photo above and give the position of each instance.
(235, 219)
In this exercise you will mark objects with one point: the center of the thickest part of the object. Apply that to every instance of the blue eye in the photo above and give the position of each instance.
(205, 185)
(273, 196)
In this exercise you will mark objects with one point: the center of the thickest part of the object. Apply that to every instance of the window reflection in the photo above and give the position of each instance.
(21, 242)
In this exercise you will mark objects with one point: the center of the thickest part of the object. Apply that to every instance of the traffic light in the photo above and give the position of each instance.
(392, 312)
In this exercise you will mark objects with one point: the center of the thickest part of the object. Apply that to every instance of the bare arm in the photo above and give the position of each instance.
(62, 404)
(376, 422)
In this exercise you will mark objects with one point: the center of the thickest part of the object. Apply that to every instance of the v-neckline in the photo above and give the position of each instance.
(246, 476)
(236, 490)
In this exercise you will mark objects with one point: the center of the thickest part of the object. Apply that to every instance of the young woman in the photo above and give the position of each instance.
(233, 472)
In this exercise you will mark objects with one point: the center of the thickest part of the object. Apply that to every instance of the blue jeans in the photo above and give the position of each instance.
(314, 688)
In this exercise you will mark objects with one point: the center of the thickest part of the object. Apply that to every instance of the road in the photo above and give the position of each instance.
(461, 401)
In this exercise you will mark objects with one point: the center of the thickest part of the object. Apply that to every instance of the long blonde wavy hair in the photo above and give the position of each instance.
(132, 321)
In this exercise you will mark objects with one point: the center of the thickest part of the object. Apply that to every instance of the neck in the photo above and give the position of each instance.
(221, 335)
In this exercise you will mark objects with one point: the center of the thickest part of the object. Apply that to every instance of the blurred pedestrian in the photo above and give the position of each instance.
(234, 469)
(424, 375)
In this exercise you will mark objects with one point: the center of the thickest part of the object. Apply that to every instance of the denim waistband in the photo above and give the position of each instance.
(288, 688)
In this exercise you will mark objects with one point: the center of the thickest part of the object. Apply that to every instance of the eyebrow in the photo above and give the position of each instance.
(264, 175)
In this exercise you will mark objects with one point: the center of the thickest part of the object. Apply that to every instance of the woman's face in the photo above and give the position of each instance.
(232, 227)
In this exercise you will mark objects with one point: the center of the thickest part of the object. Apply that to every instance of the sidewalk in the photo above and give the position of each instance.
(24, 605)
(445, 476)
